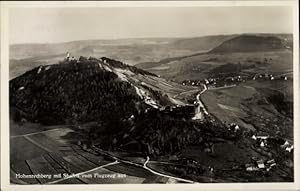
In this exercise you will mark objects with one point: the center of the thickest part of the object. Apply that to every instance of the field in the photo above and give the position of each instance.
(213, 64)
(249, 105)
(51, 152)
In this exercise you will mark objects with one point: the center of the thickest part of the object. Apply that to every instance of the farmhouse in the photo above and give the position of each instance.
(251, 167)
(260, 164)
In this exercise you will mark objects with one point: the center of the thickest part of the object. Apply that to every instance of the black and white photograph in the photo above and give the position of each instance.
(150, 94)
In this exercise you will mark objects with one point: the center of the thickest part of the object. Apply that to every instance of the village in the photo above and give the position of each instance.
(216, 82)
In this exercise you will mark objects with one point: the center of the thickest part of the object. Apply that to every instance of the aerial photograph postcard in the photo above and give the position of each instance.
(151, 95)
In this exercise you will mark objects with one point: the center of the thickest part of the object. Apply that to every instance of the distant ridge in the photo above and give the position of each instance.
(251, 43)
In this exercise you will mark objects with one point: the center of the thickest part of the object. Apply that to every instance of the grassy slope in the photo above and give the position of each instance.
(205, 65)
(247, 104)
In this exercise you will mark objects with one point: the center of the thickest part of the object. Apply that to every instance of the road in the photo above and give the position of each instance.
(144, 166)
(117, 160)
(201, 107)
(223, 87)
(164, 175)
(186, 92)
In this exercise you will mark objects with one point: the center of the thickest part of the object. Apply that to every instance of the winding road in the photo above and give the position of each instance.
(201, 107)
(164, 175)
(144, 166)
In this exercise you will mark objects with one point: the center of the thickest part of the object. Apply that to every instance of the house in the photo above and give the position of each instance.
(260, 164)
(251, 167)
(254, 137)
(263, 137)
(286, 143)
(131, 117)
(236, 128)
(206, 81)
(289, 148)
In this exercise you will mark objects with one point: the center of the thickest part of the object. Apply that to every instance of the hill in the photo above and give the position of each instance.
(251, 43)
(125, 102)
(67, 91)
(246, 54)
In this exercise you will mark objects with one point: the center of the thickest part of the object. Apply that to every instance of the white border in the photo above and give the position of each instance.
(5, 6)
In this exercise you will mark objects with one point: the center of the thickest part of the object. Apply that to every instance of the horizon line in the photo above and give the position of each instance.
(132, 38)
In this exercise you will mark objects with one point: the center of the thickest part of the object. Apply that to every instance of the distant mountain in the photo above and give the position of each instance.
(251, 43)
(202, 44)
(173, 58)
(198, 46)
(24, 57)
(30, 50)
(243, 54)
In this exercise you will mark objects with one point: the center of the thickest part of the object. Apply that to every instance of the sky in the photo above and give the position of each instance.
(53, 25)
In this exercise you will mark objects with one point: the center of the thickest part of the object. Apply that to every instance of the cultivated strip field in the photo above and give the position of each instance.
(51, 153)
